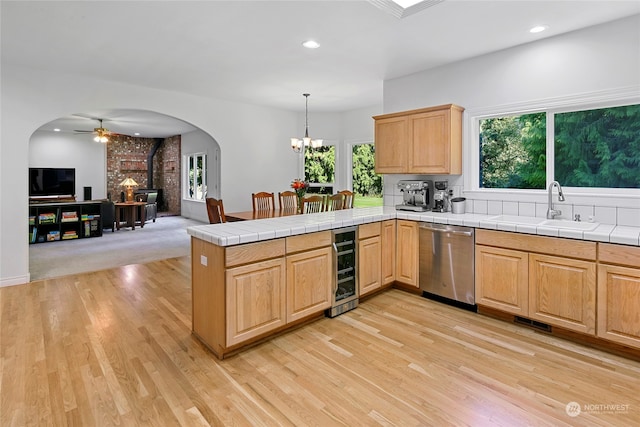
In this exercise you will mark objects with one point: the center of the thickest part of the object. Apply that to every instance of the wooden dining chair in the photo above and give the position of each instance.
(215, 209)
(288, 201)
(348, 199)
(334, 202)
(263, 201)
(312, 204)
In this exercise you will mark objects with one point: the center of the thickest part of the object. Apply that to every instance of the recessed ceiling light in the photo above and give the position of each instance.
(56, 130)
(538, 29)
(137, 133)
(311, 44)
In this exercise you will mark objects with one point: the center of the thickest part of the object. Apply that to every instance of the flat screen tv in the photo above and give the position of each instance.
(52, 182)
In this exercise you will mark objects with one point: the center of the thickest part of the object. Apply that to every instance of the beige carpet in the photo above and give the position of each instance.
(165, 238)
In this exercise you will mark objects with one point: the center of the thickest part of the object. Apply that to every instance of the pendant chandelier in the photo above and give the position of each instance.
(298, 144)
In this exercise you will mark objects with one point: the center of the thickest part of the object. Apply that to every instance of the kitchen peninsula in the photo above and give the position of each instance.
(253, 279)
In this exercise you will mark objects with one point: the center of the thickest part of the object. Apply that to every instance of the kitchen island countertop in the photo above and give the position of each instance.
(235, 233)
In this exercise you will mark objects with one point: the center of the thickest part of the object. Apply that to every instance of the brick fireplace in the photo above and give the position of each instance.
(128, 156)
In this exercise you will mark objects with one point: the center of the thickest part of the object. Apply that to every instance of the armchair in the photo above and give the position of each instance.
(151, 208)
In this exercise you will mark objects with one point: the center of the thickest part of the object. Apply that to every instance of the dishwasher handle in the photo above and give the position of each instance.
(445, 229)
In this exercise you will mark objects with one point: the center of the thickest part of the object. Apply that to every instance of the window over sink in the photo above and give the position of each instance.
(583, 146)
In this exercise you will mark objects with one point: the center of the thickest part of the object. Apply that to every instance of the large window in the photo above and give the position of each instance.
(195, 176)
(580, 148)
(320, 169)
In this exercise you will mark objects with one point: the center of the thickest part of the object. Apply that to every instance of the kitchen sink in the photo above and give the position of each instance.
(517, 219)
(573, 225)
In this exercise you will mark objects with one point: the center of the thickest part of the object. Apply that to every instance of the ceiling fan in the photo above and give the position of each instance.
(102, 134)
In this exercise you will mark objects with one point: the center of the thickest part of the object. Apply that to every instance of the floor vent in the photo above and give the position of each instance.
(532, 323)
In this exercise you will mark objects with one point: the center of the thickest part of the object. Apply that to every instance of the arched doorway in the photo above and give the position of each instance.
(144, 145)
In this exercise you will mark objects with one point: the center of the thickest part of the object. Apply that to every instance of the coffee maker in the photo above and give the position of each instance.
(416, 195)
(441, 197)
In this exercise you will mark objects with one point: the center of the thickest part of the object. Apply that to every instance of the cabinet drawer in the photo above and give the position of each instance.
(253, 252)
(368, 230)
(540, 244)
(305, 242)
(619, 254)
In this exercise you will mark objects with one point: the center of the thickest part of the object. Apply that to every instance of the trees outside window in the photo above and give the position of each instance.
(320, 168)
(598, 148)
(512, 151)
(367, 185)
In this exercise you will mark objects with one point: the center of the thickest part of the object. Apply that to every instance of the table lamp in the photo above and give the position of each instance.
(129, 183)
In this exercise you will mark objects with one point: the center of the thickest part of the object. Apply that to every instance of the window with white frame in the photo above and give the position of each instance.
(195, 178)
(580, 148)
(320, 169)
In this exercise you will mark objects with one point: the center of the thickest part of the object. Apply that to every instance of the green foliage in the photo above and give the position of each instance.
(512, 151)
(593, 148)
(365, 181)
(598, 148)
(320, 164)
(366, 202)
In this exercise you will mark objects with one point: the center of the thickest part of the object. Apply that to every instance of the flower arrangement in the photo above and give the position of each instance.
(300, 187)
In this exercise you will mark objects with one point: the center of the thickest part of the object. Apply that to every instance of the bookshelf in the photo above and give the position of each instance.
(50, 222)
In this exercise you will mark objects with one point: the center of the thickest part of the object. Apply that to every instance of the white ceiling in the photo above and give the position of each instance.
(250, 51)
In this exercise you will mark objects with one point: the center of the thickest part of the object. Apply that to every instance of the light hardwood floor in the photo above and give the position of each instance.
(114, 348)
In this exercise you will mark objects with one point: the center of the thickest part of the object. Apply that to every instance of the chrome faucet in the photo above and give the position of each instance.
(552, 213)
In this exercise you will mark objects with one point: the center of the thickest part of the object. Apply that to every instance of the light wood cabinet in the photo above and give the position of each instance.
(309, 274)
(376, 256)
(425, 141)
(391, 141)
(308, 283)
(243, 293)
(255, 300)
(619, 294)
(369, 258)
(502, 279)
(562, 292)
(547, 279)
(407, 253)
(388, 248)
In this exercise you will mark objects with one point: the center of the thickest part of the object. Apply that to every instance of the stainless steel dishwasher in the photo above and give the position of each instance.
(447, 264)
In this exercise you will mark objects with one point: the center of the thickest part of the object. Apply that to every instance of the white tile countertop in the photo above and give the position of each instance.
(234, 233)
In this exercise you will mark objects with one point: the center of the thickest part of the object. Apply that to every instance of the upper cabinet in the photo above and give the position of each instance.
(424, 141)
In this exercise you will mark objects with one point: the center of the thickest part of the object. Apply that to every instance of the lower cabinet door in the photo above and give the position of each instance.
(618, 302)
(309, 283)
(502, 279)
(388, 251)
(562, 292)
(407, 253)
(369, 265)
(255, 297)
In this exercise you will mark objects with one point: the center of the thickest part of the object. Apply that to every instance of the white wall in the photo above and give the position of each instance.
(590, 61)
(64, 150)
(253, 142)
(199, 142)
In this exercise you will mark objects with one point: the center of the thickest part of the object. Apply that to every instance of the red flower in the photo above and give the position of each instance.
(299, 186)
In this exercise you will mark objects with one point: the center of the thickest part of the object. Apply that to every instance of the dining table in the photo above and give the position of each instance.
(249, 215)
